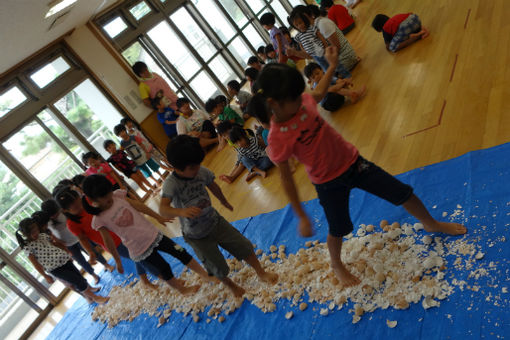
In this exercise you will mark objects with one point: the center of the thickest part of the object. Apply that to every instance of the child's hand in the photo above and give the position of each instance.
(92, 259)
(190, 212)
(120, 268)
(227, 205)
(331, 55)
(49, 279)
(305, 227)
(163, 220)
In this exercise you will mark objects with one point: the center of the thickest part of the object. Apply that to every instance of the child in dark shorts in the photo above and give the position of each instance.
(121, 162)
(184, 195)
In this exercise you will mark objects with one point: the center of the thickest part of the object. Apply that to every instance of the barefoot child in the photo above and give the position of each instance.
(333, 165)
(338, 91)
(55, 220)
(79, 222)
(50, 256)
(251, 152)
(97, 166)
(184, 195)
(195, 123)
(215, 108)
(224, 129)
(121, 162)
(242, 97)
(113, 211)
(400, 30)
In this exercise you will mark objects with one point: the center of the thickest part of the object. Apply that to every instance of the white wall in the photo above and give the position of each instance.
(111, 74)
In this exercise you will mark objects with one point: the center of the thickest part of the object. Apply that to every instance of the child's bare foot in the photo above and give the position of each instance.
(226, 178)
(189, 290)
(269, 277)
(147, 283)
(446, 228)
(101, 299)
(95, 289)
(357, 95)
(425, 33)
(96, 278)
(259, 172)
(109, 267)
(345, 277)
(238, 291)
(251, 176)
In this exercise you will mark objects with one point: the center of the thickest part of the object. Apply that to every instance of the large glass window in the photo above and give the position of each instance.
(115, 27)
(173, 49)
(240, 51)
(204, 86)
(50, 72)
(215, 18)
(235, 12)
(140, 10)
(11, 99)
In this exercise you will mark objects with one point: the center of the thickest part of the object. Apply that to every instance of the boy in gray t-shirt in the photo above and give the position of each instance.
(184, 195)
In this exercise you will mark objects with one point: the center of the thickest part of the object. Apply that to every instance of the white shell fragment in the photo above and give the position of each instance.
(479, 255)
(429, 302)
(324, 311)
(391, 324)
(426, 239)
(289, 315)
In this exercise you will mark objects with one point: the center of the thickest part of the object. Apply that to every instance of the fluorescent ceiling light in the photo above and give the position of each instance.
(58, 6)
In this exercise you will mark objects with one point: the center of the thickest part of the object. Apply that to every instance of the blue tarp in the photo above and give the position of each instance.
(477, 181)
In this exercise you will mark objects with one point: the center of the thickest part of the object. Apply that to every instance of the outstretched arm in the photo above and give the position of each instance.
(148, 211)
(304, 226)
(216, 191)
(40, 268)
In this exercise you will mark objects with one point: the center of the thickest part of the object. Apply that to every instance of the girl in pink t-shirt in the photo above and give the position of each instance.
(96, 166)
(333, 165)
(114, 212)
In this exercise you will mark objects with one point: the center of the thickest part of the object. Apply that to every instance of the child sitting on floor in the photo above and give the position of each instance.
(97, 166)
(255, 63)
(400, 30)
(251, 75)
(166, 115)
(195, 123)
(251, 152)
(224, 129)
(338, 91)
(121, 162)
(138, 152)
(216, 108)
(204, 229)
(242, 97)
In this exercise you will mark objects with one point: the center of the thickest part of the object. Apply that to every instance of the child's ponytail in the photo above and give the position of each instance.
(24, 228)
(20, 239)
(64, 198)
(89, 208)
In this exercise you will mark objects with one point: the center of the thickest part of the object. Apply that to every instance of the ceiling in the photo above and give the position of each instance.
(24, 29)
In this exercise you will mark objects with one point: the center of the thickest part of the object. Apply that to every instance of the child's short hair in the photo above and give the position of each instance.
(251, 72)
(221, 99)
(41, 218)
(78, 180)
(308, 71)
(300, 12)
(126, 120)
(181, 102)
(65, 197)
(267, 19)
(50, 207)
(88, 155)
(285, 30)
(95, 186)
(210, 105)
(234, 85)
(290, 85)
(269, 48)
(261, 50)
(107, 143)
(253, 59)
(155, 102)
(237, 133)
(118, 129)
(184, 150)
(314, 11)
(223, 127)
(379, 21)
(139, 67)
(326, 4)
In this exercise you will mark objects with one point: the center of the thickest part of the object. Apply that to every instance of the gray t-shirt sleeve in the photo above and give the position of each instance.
(207, 175)
(168, 190)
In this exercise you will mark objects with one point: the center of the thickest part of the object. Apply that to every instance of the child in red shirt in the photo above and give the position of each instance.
(96, 166)
(339, 15)
(400, 30)
(333, 165)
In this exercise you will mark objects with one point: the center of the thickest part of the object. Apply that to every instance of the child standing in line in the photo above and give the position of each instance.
(338, 92)
(50, 256)
(251, 152)
(185, 195)
(97, 166)
(136, 150)
(154, 153)
(55, 220)
(115, 212)
(121, 162)
(268, 20)
(242, 97)
(79, 222)
(332, 164)
(400, 30)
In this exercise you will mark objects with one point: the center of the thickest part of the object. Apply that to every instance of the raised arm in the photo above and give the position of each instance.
(304, 225)
(322, 87)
